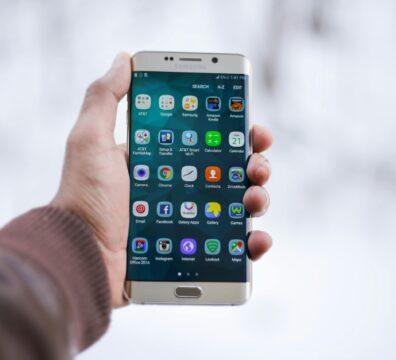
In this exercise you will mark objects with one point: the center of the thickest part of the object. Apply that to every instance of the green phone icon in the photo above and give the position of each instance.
(213, 138)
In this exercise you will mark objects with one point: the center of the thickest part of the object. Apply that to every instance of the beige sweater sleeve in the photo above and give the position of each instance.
(54, 291)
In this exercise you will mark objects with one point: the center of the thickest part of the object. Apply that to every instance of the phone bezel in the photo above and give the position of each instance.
(213, 293)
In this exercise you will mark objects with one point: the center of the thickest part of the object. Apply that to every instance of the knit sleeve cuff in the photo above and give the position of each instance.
(63, 246)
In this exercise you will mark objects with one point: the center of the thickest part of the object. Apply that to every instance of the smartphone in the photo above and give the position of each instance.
(188, 141)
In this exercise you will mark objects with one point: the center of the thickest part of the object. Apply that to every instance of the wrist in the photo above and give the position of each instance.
(114, 259)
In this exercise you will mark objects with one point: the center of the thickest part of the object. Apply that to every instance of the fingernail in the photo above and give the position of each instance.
(267, 199)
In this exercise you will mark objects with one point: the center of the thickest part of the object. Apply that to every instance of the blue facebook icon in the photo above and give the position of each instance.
(164, 209)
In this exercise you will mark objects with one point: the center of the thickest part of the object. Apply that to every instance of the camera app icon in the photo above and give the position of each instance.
(164, 246)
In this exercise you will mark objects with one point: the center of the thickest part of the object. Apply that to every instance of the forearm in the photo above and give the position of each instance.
(54, 291)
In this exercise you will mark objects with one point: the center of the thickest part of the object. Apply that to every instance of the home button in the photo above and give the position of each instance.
(188, 292)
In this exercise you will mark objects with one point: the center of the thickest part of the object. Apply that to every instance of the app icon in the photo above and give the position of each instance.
(236, 104)
(141, 172)
(165, 137)
(236, 211)
(236, 139)
(140, 208)
(164, 246)
(212, 210)
(165, 173)
(164, 209)
(189, 137)
(139, 245)
(236, 174)
(166, 102)
(143, 101)
(213, 103)
(190, 103)
(212, 247)
(188, 246)
(142, 137)
(189, 173)
(236, 247)
(188, 210)
(213, 138)
(212, 174)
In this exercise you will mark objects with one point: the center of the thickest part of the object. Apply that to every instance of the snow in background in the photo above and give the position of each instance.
(324, 83)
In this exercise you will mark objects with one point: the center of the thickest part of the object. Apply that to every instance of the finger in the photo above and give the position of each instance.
(261, 138)
(259, 243)
(99, 108)
(258, 169)
(256, 200)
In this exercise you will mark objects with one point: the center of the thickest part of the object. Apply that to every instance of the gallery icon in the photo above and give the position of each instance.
(139, 245)
(236, 174)
(212, 174)
(236, 139)
(188, 246)
(213, 103)
(164, 246)
(142, 137)
(188, 210)
(165, 173)
(236, 104)
(189, 137)
(213, 138)
(212, 247)
(236, 247)
(164, 209)
(166, 102)
(190, 103)
(140, 208)
(212, 210)
(165, 137)
(143, 101)
(236, 211)
(141, 172)
(189, 173)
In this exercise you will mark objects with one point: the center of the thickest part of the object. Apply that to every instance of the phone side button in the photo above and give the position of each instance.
(188, 292)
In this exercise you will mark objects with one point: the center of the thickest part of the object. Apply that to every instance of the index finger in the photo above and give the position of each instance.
(261, 138)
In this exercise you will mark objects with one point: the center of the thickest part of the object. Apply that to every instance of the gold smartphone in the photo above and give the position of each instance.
(188, 144)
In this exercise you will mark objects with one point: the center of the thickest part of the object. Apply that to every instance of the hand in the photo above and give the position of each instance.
(95, 180)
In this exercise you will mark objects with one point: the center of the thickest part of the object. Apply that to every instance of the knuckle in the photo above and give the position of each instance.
(96, 89)
(81, 140)
(96, 95)
(72, 140)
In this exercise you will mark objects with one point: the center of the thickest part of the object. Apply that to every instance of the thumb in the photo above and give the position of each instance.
(99, 108)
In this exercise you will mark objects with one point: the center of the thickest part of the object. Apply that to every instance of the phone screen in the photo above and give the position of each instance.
(188, 150)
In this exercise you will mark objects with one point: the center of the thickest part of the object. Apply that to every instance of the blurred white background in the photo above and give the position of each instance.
(324, 83)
